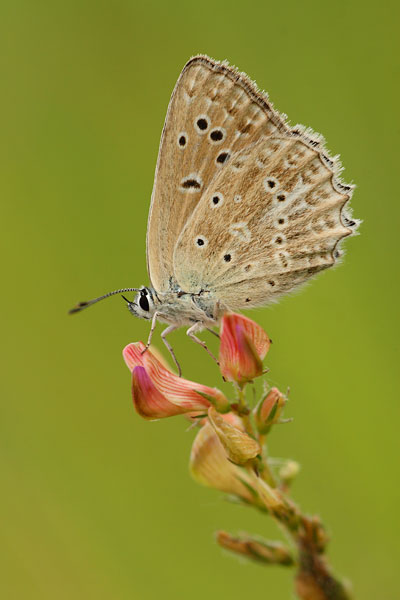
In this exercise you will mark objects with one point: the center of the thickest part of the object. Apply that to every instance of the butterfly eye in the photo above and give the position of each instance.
(144, 303)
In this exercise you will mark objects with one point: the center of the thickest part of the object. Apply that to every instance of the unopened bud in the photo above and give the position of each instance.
(256, 549)
(315, 532)
(209, 465)
(239, 446)
(269, 410)
(289, 471)
(243, 347)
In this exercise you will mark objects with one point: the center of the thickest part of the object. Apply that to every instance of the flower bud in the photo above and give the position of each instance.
(239, 446)
(289, 471)
(210, 466)
(256, 549)
(269, 410)
(315, 532)
(243, 346)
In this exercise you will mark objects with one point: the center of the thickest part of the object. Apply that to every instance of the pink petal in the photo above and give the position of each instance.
(243, 346)
(148, 401)
(256, 334)
(268, 404)
(178, 390)
(133, 356)
(268, 411)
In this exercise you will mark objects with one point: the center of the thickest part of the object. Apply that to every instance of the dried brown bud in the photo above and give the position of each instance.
(256, 549)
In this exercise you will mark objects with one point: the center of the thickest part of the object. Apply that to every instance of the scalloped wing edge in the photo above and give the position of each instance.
(308, 136)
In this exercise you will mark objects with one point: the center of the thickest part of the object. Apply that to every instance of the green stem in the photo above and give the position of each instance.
(242, 399)
(265, 471)
(243, 410)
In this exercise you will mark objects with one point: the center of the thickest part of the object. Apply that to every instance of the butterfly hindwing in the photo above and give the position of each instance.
(268, 222)
(214, 112)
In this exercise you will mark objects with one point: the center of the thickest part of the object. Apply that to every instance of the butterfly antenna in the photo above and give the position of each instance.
(83, 305)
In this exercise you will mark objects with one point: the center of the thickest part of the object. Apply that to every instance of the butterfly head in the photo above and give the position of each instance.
(143, 306)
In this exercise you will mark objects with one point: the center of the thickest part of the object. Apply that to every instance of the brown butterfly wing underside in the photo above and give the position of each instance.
(281, 221)
(207, 94)
(242, 206)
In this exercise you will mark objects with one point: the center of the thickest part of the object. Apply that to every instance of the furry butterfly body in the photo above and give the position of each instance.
(244, 208)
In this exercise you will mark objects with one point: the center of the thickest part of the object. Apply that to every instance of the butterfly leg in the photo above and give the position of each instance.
(191, 333)
(213, 332)
(152, 328)
(166, 332)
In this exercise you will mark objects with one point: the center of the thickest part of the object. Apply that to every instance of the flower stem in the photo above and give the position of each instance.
(314, 579)
(265, 471)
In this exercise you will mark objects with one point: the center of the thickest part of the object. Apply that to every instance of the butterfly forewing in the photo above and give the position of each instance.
(268, 222)
(214, 112)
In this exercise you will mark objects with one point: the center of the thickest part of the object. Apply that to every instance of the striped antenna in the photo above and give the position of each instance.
(83, 305)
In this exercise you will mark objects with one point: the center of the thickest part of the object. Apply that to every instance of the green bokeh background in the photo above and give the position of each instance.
(95, 502)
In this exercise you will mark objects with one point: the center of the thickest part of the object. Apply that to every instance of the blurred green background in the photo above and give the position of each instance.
(95, 502)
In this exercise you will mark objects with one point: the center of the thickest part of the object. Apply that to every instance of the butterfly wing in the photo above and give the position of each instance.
(271, 219)
(214, 112)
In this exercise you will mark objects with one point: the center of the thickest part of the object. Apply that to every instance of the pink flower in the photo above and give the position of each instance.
(158, 393)
(243, 346)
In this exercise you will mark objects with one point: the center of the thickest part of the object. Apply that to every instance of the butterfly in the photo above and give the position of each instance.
(244, 208)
